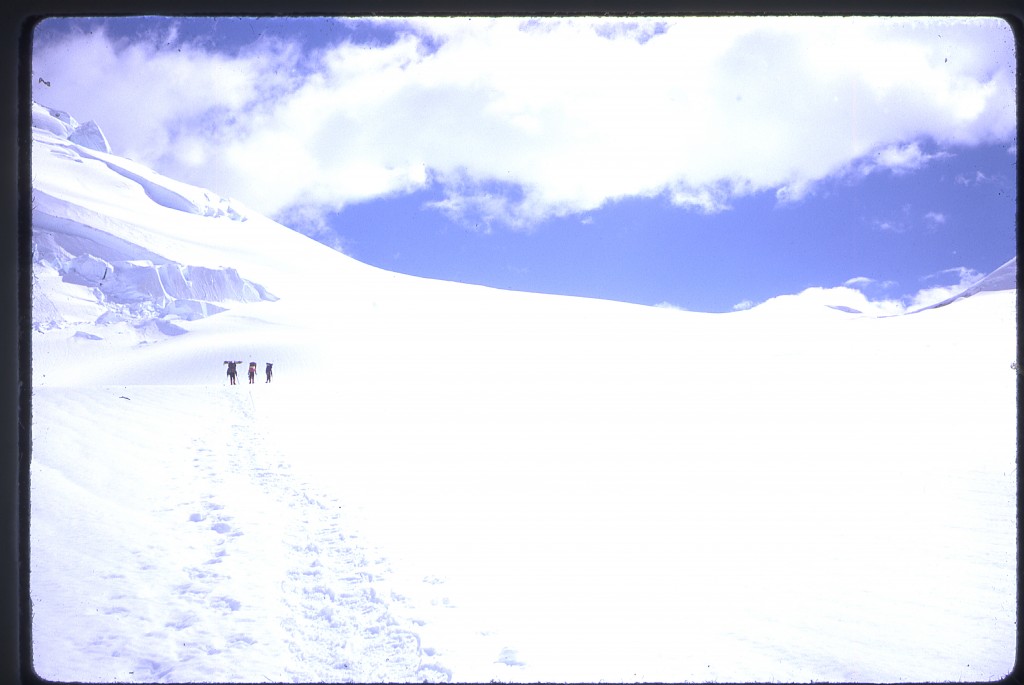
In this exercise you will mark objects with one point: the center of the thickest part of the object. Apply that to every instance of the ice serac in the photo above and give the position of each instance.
(88, 135)
(107, 269)
(139, 289)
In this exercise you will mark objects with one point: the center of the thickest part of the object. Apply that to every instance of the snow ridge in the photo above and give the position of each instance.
(92, 144)
(1003, 278)
(207, 204)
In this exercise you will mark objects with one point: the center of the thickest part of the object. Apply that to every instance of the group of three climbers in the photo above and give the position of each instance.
(233, 371)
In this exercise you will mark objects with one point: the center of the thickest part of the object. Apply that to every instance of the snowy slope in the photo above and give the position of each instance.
(1003, 278)
(451, 482)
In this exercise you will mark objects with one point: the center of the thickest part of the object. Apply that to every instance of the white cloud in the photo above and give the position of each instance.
(479, 211)
(965, 278)
(869, 285)
(848, 298)
(162, 104)
(570, 113)
(707, 199)
(978, 179)
(899, 159)
(864, 295)
(890, 225)
(741, 306)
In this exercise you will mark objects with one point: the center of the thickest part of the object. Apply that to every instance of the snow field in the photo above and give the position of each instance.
(192, 554)
(536, 492)
(448, 482)
(564, 503)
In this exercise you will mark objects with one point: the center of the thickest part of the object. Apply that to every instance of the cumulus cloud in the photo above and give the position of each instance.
(956, 281)
(307, 221)
(899, 159)
(979, 178)
(839, 297)
(521, 120)
(167, 104)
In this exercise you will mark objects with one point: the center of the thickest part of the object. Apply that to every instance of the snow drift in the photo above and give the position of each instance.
(450, 482)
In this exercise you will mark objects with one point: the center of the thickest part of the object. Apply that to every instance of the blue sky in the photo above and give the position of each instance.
(707, 164)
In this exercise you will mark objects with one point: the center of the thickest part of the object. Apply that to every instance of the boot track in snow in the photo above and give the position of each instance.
(241, 572)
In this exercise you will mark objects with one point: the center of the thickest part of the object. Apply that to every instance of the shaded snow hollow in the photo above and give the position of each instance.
(447, 482)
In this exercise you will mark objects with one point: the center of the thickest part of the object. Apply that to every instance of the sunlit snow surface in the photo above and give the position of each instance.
(449, 482)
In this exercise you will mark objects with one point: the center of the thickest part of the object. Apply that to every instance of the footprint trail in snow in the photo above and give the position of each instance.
(337, 623)
(248, 573)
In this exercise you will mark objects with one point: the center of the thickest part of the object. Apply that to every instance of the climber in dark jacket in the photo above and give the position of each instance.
(232, 371)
